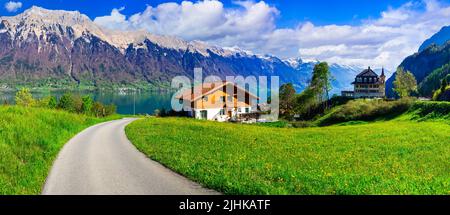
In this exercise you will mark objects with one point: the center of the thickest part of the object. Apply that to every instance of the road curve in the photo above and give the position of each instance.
(101, 160)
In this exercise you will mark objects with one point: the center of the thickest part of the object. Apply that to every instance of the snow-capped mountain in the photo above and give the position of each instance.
(55, 48)
(343, 75)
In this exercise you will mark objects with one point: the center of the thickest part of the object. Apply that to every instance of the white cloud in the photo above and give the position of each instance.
(384, 41)
(13, 6)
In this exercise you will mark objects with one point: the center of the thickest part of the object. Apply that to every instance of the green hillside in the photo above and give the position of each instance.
(405, 155)
(433, 81)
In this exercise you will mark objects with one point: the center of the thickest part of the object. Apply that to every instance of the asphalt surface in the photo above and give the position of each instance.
(101, 161)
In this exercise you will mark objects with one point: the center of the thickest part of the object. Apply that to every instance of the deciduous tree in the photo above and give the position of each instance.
(24, 98)
(405, 83)
(287, 99)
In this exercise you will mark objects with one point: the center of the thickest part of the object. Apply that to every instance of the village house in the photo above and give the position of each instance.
(214, 103)
(368, 84)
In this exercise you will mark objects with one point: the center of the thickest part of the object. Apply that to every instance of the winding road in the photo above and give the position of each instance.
(101, 160)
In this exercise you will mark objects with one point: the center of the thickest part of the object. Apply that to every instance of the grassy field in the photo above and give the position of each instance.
(30, 139)
(393, 157)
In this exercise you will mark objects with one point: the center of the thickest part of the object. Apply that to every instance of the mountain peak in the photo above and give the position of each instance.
(39, 21)
(440, 38)
(46, 16)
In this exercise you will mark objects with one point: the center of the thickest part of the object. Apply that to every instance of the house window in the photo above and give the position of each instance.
(222, 112)
(230, 98)
(247, 110)
(205, 98)
(204, 114)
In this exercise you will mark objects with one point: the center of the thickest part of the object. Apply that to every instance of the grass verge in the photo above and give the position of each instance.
(30, 139)
(393, 157)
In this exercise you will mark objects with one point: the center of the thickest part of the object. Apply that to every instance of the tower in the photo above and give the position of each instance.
(382, 85)
(382, 76)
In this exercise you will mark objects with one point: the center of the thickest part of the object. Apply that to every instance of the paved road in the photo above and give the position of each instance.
(101, 160)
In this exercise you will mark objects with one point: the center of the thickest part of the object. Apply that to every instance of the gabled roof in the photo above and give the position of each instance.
(367, 73)
(208, 88)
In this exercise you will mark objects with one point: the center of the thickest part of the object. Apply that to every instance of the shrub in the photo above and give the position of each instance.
(77, 104)
(312, 111)
(66, 102)
(97, 109)
(110, 110)
(52, 103)
(71, 103)
(442, 94)
(366, 110)
(47, 102)
(24, 98)
(100, 110)
(431, 110)
(88, 102)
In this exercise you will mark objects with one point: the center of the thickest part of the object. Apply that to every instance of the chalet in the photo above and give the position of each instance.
(214, 103)
(368, 84)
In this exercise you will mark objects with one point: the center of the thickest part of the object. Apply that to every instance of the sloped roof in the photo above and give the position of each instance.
(367, 73)
(208, 88)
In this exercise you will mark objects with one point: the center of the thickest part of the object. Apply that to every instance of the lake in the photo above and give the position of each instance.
(141, 102)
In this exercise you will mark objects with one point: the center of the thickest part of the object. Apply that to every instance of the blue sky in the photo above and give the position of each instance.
(353, 32)
(292, 11)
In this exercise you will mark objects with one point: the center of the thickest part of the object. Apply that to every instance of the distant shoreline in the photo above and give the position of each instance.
(119, 89)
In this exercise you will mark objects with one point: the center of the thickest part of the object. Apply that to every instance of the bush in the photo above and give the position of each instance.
(88, 102)
(47, 102)
(24, 98)
(367, 110)
(97, 109)
(110, 110)
(66, 102)
(71, 103)
(431, 110)
(100, 110)
(52, 103)
(77, 104)
(442, 95)
(314, 110)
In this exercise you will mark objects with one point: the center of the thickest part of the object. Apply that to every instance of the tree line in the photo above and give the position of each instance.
(315, 99)
(68, 102)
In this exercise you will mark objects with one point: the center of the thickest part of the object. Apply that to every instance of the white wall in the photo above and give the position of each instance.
(212, 113)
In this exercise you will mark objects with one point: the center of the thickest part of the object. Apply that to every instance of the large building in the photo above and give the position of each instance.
(368, 84)
(214, 102)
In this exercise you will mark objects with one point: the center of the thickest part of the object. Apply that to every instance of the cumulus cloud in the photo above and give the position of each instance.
(13, 6)
(384, 41)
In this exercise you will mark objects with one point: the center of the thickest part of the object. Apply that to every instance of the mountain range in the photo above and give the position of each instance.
(60, 49)
(429, 66)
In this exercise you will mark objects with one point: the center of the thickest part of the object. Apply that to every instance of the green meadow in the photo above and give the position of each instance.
(406, 155)
(30, 139)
